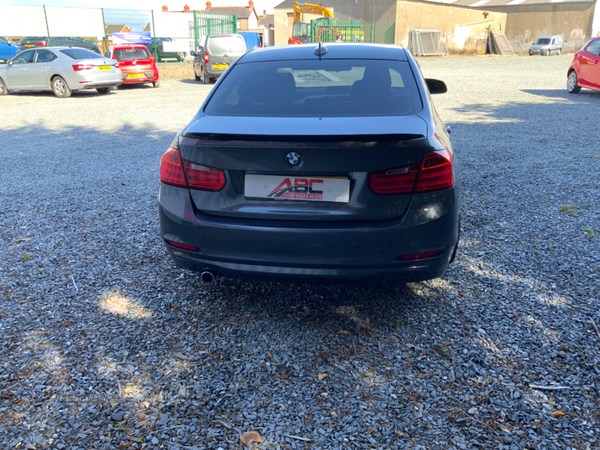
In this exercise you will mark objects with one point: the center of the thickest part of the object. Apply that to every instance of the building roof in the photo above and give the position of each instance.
(110, 29)
(267, 21)
(289, 4)
(504, 3)
(242, 12)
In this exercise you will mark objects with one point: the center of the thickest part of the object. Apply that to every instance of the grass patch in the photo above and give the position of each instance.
(567, 208)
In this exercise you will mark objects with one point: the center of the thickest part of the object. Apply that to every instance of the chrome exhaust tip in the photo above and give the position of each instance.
(207, 276)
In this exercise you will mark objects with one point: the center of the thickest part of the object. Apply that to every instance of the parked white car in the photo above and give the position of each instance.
(547, 45)
(61, 70)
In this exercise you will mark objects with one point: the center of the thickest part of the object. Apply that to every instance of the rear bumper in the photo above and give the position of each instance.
(350, 251)
(100, 84)
(149, 77)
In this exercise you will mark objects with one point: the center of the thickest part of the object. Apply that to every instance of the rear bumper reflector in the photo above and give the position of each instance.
(182, 246)
(419, 256)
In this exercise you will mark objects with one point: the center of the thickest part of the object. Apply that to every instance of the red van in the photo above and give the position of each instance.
(136, 63)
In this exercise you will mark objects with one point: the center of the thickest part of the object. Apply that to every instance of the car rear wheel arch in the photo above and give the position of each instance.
(60, 87)
(3, 88)
(573, 82)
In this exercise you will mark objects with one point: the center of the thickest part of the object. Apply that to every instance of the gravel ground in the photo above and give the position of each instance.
(105, 344)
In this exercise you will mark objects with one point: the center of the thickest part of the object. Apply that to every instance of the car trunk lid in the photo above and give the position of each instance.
(336, 155)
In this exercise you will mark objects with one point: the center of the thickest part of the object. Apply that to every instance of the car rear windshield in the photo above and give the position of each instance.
(131, 54)
(544, 41)
(219, 45)
(312, 88)
(80, 53)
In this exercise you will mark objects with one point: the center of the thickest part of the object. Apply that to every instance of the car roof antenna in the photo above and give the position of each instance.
(320, 50)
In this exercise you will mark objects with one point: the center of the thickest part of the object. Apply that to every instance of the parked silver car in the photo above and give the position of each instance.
(547, 45)
(61, 70)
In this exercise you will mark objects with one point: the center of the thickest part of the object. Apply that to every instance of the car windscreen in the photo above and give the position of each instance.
(312, 88)
(219, 45)
(80, 53)
(543, 41)
(131, 54)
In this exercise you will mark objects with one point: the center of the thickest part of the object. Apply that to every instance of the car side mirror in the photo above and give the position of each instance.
(436, 86)
(9, 62)
(193, 53)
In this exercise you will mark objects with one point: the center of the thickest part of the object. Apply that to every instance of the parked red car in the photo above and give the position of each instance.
(136, 63)
(585, 68)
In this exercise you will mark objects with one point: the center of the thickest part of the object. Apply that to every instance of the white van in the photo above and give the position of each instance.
(547, 45)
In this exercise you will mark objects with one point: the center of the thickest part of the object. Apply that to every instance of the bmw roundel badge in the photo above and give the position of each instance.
(293, 159)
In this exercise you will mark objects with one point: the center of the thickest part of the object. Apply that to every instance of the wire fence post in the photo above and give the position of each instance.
(47, 28)
(196, 31)
(105, 37)
(153, 37)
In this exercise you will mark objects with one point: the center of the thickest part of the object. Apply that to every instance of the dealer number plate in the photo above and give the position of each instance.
(316, 189)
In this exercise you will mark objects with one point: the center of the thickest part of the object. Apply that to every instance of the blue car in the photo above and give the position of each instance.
(7, 49)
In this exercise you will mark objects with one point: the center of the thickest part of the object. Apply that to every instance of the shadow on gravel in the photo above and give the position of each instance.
(585, 94)
(48, 94)
(199, 83)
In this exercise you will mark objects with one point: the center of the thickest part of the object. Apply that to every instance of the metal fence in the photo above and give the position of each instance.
(380, 31)
(323, 30)
(206, 23)
(426, 43)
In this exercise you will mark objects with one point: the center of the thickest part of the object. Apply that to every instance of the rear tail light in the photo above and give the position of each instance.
(434, 173)
(78, 67)
(181, 173)
(42, 43)
(205, 57)
(203, 178)
(394, 181)
(171, 170)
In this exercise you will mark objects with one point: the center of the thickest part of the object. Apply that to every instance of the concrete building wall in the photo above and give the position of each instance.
(573, 21)
(596, 21)
(465, 29)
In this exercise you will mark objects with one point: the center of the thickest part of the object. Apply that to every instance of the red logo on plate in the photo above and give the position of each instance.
(302, 188)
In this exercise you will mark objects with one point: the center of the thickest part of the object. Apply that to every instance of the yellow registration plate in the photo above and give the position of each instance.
(104, 68)
(136, 75)
(220, 66)
(29, 45)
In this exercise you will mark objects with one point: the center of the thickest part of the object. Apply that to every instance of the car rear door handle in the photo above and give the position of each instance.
(24, 70)
(46, 68)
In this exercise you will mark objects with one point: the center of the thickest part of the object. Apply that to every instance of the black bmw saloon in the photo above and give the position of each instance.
(314, 162)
